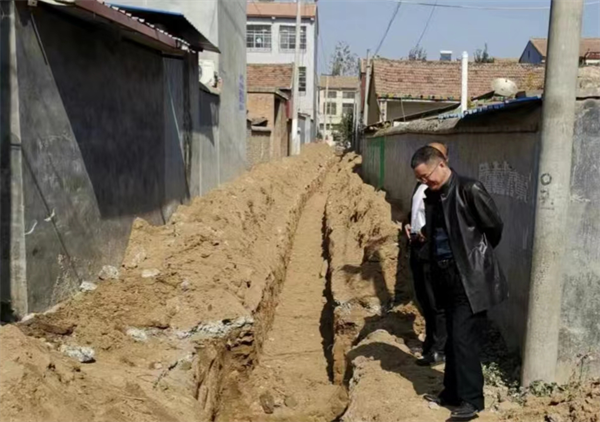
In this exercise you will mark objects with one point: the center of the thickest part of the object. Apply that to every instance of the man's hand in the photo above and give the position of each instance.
(421, 236)
(407, 230)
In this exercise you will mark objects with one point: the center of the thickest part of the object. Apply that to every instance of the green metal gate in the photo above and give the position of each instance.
(374, 162)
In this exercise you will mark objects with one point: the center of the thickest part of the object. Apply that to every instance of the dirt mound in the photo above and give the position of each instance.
(570, 403)
(364, 270)
(192, 301)
(291, 381)
(40, 384)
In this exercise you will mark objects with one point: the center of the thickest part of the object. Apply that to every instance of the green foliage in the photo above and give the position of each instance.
(343, 132)
(343, 61)
(482, 56)
(417, 53)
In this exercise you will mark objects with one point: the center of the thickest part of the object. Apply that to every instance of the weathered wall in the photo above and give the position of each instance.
(223, 22)
(502, 150)
(232, 70)
(103, 128)
(505, 163)
(209, 166)
(261, 104)
(580, 330)
(273, 108)
(281, 134)
(259, 144)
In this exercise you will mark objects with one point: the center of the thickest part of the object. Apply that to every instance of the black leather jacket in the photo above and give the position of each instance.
(474, 228)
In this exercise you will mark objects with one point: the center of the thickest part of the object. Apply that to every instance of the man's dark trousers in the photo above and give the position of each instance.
(463, 376)
(435, 320)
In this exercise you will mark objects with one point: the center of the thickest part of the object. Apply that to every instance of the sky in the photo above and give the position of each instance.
(362, 23)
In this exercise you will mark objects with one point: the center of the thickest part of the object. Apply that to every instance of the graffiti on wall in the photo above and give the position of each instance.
(502, 179)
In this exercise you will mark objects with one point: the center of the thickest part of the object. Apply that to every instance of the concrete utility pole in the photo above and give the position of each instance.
(367, 87)
(295, 138)
(325, 103)
(554, 179)
(18, 255)
(464, 97)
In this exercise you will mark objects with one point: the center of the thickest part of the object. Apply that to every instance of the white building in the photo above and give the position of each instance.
(270, 38)
(338, 95)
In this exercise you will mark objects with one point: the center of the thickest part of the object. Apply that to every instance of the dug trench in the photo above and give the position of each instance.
(237, 309)
(277, 297)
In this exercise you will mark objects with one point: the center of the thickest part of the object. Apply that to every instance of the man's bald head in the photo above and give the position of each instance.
(441, 148)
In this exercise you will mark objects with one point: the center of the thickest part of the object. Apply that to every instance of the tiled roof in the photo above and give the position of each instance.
(340, 82)
(585, 45)
(279, 10)
(278, 76)
(442, 80)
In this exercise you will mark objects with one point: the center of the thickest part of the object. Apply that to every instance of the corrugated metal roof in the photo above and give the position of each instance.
(505, 105)
(175, 23)
(136, 28)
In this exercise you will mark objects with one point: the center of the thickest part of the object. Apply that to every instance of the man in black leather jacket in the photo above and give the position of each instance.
(462, 228)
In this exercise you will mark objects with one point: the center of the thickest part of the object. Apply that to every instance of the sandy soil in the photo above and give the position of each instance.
(282, 296)
(291, 381)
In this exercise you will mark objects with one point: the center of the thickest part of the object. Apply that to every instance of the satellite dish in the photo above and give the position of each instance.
(504, 87)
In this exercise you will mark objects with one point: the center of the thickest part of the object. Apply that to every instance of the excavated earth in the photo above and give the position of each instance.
(282, 296)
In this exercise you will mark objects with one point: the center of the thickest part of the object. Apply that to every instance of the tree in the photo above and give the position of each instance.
(482, 56)
(343, 61)
(417, 53)
(344, 131)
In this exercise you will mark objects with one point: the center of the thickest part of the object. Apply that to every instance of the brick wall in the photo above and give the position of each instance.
(274, 109)
(261, 105)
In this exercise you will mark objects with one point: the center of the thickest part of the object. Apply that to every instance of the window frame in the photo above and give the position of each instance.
(254, 35)
(290, 38)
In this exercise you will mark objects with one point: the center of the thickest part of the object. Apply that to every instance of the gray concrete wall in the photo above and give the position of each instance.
(208, 147)
(232, 69)
(506, 164)
(502, 150)
(580, 330)
(102, 123)
(223, 22)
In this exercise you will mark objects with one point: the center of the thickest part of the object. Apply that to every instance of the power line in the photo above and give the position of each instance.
(388, 28)
(426, 24)
(461, 6)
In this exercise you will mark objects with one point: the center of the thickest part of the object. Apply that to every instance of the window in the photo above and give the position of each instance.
(331, 109)
(332, 93)
(349, 95)
(302, 80)
(287, 37)
(258, 37)
(347, 108)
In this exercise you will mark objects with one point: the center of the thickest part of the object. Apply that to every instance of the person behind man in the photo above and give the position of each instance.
(462, 228)
(435, 321)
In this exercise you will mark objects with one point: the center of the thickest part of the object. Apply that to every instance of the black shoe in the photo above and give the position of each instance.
(431, 358)
(440, 401)
(465, 412)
